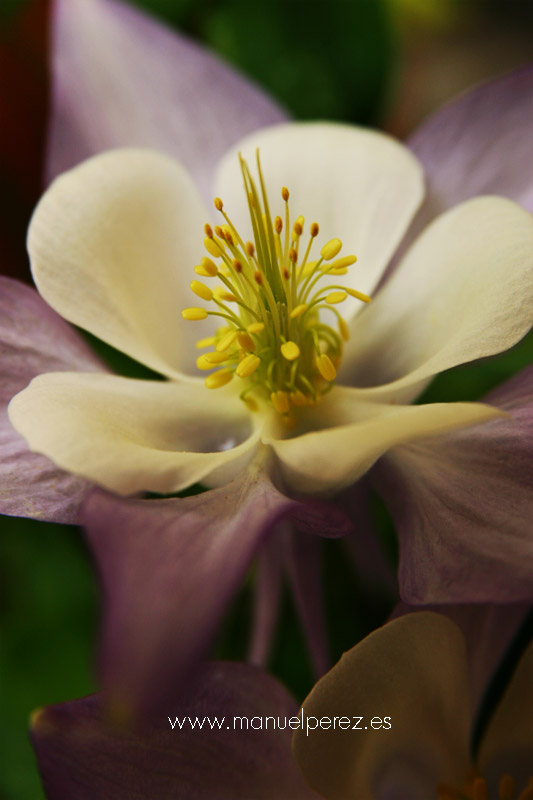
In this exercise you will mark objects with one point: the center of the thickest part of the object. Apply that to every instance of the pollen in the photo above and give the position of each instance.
(272, 305)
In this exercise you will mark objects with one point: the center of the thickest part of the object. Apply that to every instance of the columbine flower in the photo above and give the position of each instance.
(80, 756)
(415, 670)
(112, 244)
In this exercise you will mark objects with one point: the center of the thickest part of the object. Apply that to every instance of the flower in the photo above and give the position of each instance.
(79, 755)
(112, 244)
(87, 93)
(415, 671)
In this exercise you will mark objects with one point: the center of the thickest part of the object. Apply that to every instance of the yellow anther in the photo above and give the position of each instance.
(215, 357)
(245, 341)
(286, 273)
(256, 327)
(248, 366)
(251, 404)
(250, 249)
(293, 255)
(336, 297)
(300, 221)
(298, 310)
(226, 341)
(297, 230)
(278, 224)
(218, 203)
(280, 401)
(290, 351)
(314, 229)
(285, 193)
(212, 247)
(202, 362)
(208, 342)
(506, 789)
(221, 243)
(219, 231)
(258, 278)
(308, 269)
(201, 290)
(326, 367)
(344, 261)
(337, 270)
(193, 314)
(298, 399)
(331, 249)
(218, 379)
(359, 295)
(224, 296)
(344, 329)
(479, 789)
(205, 273)
(208, 230)
(237, 265)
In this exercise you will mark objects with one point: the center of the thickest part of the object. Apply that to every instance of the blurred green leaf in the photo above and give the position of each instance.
(47, 622)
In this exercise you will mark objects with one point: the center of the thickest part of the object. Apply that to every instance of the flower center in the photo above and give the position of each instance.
(476, 789)
(271, 298)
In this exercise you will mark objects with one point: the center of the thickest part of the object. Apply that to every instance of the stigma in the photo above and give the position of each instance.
(276, 299)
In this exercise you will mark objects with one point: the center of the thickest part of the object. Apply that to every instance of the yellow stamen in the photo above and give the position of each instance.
(299, 399)
(209, 266)
(325, 367)
(218, 379)
(359, 295)
(193, 314)
(201, 290)
(224, 296)
(344, 329)
(280, 401)
(212, 247)
(226, 341)
(245, 341)
(296, 312)
(256, 327)
(344, 261)
(290, 351)
(336, 297)
(202, 362)
(331, 249)
(207, 342)
(248, 366)
(215, 358)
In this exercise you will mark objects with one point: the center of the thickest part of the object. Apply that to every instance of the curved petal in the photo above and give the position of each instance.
(133, 435)
(463, 505)
(360, 186)
(479, 144)
(334, 457)
(34, 339)
(169, 568)
(112, 244)
(507, 747)
(411, 673)
(121, 79)
(79, 756)
(463, 291)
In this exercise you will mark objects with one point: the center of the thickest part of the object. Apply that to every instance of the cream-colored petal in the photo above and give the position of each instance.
(413, 673)
(361, 186)
(113, 244)
(507, 746)
(131, 435)
(347, 434)
(463, 291)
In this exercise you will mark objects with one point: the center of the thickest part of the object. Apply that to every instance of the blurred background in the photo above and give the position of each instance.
(383, 63)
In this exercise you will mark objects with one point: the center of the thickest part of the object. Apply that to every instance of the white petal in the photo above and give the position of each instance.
(355, 434)
(412, 671)
(130, 435)
(112, 246)
(463, 291)
(360, 186)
